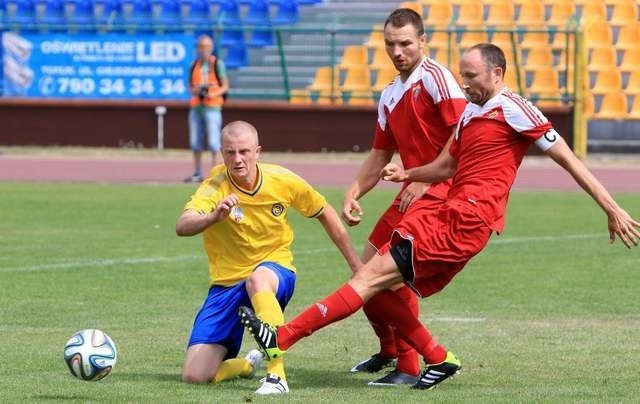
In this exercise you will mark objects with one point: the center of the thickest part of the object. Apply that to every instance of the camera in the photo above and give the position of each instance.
(203, 92)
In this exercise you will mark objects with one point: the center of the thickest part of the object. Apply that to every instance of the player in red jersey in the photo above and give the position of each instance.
(430, 247)
(417, 113)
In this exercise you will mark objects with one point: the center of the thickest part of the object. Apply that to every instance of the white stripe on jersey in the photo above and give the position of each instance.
(519, 113)
(436, 79)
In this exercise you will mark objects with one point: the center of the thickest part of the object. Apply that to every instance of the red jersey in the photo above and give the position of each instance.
(489, 145)
(417, 117)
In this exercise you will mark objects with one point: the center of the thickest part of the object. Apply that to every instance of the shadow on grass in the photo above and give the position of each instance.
(334, 378)
(145, 377)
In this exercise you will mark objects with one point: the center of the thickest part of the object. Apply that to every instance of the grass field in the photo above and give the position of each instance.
(548, 312)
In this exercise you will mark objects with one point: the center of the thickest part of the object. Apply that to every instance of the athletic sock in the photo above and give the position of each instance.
(232, 368)
(380, 324)
(338, 305)
(268, 309)
(409, 327)
(408, 361)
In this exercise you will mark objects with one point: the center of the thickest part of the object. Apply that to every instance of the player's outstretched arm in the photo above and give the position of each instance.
(366, 179)
(620, 223)
(191, 222)
(338, 234)
(440, 169)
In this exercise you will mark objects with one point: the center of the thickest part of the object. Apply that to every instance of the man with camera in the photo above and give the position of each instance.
(208, 85)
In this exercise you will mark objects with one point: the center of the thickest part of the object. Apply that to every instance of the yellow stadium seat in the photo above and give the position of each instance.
(589, 105)
(503, 40)
(384, 77)
(606, 81)
(613, 106)
(499, 13)
(544, 80)
(380, 59)
(534, 39)
(630, 59)
(602, 57)
(328, 98)
(451, 59)
(560, 12)
(552, 99)
(538, 57)
(438, 12)
(355, 55)
(470, 38)
(592, 10)
(511, 80)
(628, 36)
(300, 96)
(633, 83)
(440, 39)
(624, 13)
(530, 12)
(322, 80)
(357, 78)
(470, 12)
(598, 34)
(361, 98)
(634, 111)
(412, 5)
(376, 38)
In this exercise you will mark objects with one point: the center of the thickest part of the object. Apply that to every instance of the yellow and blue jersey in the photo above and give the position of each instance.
(257, 229)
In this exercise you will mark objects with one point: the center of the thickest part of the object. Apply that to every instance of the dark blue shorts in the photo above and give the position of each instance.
(218, 322)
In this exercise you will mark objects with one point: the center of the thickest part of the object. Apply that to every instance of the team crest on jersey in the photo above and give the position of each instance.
(492, 114)
(416, 93)
(277, 209)
(236, 214)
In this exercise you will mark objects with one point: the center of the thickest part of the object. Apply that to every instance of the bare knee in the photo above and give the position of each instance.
(193, 377)
(262, 279)
(378, 274)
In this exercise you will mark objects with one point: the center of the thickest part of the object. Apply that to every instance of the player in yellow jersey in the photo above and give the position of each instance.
(241, 209)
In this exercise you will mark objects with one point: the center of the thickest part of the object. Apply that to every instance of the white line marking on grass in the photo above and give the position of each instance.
(528, 239)
(102, 263)
(179, 258)
(459, 319)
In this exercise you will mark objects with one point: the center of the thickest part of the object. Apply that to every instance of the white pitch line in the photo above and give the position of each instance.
(102, 263)
(528, 239)
(459, 319)
(153, 260)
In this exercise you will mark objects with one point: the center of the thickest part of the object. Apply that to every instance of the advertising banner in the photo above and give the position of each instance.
(111, 66)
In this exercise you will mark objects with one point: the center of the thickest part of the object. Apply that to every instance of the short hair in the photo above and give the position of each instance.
(236, 128)
(404, 16)
(492, 55)
(204, 38)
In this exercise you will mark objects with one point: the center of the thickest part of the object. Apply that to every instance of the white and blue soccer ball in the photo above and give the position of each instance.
(90, 354)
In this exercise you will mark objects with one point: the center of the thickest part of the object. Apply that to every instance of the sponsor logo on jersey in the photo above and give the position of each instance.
(277, 209)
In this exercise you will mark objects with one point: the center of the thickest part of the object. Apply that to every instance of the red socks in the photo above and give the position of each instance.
(344, 302)
(381, 327)
(409, 327)
(338, 305)
(391, 345)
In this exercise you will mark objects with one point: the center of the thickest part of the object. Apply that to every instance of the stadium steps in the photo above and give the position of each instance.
(305, 52)
(614, 136)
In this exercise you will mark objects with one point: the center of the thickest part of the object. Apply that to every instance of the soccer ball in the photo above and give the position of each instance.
(90, 354)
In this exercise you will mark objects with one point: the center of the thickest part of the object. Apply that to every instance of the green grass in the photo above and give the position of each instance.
(560, 315)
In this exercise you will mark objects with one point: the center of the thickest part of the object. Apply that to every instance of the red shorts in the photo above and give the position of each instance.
(443, 241)
(382, 231)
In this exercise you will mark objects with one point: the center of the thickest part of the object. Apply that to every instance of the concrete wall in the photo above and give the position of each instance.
(282, 126)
